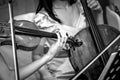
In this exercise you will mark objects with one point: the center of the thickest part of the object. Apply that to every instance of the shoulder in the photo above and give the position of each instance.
(79, 6)
(45, 22)
(43, 17)
(28, 16)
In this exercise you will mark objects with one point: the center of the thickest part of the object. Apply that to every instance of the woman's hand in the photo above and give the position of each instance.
(55, 48)
(94, 5)
(97, 10)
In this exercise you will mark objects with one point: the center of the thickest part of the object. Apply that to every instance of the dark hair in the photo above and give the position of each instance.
(47, 5)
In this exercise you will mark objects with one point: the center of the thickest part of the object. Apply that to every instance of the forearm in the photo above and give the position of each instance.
(99, 18)
(34, 66)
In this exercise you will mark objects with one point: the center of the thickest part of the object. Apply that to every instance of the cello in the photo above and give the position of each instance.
(95, 38)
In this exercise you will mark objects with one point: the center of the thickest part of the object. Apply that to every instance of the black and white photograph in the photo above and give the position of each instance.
(59, 39)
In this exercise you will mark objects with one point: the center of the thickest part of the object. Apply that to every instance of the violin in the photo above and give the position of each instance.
(27, 35)
(95, 38)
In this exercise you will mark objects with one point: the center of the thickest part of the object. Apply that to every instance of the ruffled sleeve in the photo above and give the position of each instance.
(45, 23)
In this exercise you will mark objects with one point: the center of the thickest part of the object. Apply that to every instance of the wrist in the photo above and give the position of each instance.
(49, 57)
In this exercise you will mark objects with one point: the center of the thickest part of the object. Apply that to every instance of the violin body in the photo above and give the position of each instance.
(28, 41)
(82, 55)
(23, 41)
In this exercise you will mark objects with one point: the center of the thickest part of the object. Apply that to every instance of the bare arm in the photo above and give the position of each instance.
(31, 68)
(97, 10)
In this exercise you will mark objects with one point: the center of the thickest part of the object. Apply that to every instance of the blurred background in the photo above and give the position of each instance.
(19, 7)
(27, 6)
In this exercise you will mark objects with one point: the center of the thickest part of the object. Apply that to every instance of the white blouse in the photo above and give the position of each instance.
(46, 23)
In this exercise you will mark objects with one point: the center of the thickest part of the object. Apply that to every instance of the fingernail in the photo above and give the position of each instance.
(67, 34)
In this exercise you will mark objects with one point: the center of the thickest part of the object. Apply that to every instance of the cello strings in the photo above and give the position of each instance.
(85, 68)
(95, 32)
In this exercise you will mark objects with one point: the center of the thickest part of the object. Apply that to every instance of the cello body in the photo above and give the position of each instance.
(82, 55)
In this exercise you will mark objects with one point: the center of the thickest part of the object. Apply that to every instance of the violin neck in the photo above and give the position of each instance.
(35, 33)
